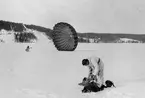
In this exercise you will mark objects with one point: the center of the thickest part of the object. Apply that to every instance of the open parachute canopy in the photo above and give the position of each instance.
(64, 37)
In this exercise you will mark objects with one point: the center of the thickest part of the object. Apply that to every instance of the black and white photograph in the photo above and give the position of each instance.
(72, 49)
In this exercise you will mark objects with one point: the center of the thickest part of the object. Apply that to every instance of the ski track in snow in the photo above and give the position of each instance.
(45, 72)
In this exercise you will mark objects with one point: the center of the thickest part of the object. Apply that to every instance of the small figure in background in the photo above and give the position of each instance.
(28, 48)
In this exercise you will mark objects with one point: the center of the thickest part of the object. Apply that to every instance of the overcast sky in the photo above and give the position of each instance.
(106, 16)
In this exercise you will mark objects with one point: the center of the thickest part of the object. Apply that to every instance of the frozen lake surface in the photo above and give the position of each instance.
(45, 72)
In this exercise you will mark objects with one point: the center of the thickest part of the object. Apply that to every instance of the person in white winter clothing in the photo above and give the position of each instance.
(96, 69)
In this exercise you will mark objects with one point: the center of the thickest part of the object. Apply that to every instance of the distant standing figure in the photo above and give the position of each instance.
(96, 68)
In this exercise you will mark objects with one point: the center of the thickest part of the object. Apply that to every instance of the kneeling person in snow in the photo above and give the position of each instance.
(96, 68)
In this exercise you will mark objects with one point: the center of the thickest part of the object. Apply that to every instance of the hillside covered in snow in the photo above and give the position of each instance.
(21, 33)
(18, 28)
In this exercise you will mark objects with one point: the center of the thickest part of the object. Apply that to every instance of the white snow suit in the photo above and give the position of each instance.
(96, 68)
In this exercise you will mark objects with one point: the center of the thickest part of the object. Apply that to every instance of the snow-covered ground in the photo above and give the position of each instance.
(45, 72)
